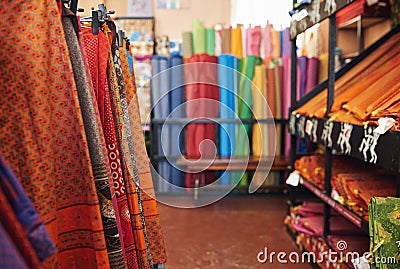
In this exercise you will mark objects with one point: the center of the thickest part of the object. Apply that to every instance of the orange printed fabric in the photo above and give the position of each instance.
(42, 135)
(152, 219)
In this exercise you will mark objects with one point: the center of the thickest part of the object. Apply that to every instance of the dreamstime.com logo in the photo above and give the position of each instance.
(216, 95)
(325, 257)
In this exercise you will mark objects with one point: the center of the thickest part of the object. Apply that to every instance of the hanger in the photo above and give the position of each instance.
(98, 17)
(73, 6)
(121, 36)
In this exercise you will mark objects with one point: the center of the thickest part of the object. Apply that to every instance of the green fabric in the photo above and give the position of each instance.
(384, 230)
(210, 41)
(187, 44)
(245, 102)
(395, 13)
(199, 37)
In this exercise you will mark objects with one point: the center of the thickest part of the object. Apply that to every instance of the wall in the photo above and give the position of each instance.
(174, 22)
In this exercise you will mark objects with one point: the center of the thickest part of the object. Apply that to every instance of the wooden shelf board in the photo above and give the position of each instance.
(279, 163)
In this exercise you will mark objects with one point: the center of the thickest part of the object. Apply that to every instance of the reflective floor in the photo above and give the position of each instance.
(228, 234)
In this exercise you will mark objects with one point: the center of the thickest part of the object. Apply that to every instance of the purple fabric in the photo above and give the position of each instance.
(286, 43)
(10, 258)
(286, 92)
(26, 213)
(309, 209)
(312, 74)
(301, 75)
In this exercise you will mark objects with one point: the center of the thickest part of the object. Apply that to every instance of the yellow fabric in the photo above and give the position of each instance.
(260, 145)
(236, 42)
(323, 67)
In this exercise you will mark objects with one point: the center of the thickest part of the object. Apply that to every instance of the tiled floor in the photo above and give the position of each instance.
(227, 234)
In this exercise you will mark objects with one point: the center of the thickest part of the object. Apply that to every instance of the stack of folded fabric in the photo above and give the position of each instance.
(354, 182)
(384, 230)
(367, 92)
(315, 226)
(356, 190)
(312, 167)
(307, 221)
(305, 210)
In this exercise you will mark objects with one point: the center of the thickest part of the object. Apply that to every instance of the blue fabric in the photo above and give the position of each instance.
(130, 61)
(228, 82)
(177, 98)
(161, 107)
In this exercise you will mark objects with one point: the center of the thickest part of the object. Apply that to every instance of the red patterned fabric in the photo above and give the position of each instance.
(97, 48)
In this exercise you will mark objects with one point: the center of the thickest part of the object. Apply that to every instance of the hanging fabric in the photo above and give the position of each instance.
(151, 216)
(21, 225)
(96, 144)
(36, 116)
(97, 53)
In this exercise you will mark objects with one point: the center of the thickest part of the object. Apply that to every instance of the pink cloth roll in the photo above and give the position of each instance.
(253, 41)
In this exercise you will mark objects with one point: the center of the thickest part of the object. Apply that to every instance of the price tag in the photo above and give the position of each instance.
(361, 263)
(293, 179)
(335, 196)
(384, 125)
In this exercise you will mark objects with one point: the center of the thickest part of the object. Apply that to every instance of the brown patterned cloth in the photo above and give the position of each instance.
(42, 133)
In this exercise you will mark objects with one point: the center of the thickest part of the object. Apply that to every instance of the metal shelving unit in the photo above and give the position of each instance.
(385, 154)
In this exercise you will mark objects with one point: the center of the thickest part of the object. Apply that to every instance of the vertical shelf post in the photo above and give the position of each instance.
(293, 100)
(329, 103)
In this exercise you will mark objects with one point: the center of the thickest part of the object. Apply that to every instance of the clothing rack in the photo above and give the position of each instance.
(389, 155)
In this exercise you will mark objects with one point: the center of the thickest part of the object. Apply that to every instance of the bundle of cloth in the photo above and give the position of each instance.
(312, 167)
(356, 190)
(353, 182)
(369, 91)
(307, 221)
